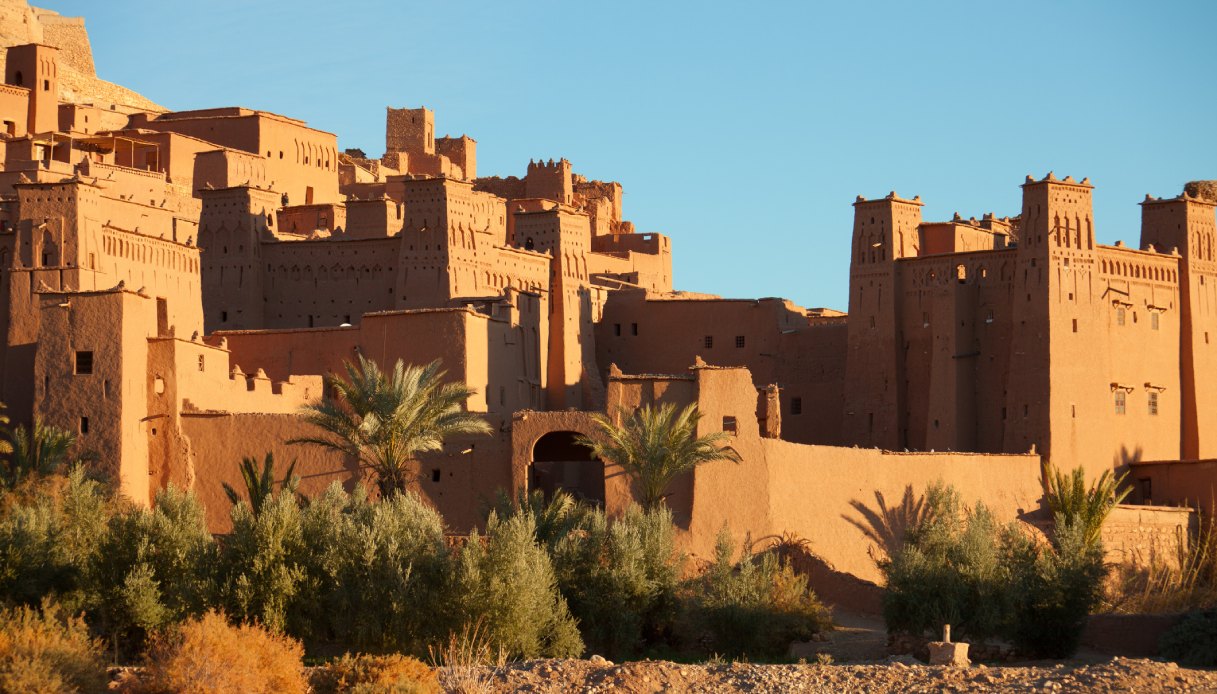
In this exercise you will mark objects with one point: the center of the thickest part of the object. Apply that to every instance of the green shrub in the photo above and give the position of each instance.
(1193, 641)
(951, 569)
(992, 581)
(154, 566)
(621, 580)
(506, 581)
(44, 651)
(49, 539)
(375, 674)
(1053, 589)
(207, 655)
(754, 607)
(373, 572)
(262, 563)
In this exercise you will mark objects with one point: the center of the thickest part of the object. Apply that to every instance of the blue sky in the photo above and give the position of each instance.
(742, 130)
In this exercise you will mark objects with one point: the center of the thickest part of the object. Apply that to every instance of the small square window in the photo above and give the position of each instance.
(796, 406)
(708, 341)
(729, 425)
(1121, 402)
(1153, 403)
(739, 341)
(84, 363)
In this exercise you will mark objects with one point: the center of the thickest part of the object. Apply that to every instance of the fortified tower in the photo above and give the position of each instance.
(885, 230)
(410, 130)
(34, 66)
(1057, 304)
(550, 180)
(574, 305)
(232, 225)
(1189, 225)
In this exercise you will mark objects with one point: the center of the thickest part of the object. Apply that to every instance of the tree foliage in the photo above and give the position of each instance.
(654, 445)
(384, 420)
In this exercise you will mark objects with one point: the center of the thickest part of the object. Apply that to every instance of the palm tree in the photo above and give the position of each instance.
(655, 444)
(1073, 503)
(40, 452)
(261, 486)
(385, 420)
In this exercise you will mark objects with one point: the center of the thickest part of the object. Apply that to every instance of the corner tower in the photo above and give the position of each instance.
(885, 230)
(1190, 225)
(34, 67)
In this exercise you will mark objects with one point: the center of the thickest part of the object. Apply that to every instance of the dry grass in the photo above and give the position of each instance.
(1189, 582)
(46, 651)
(208, 655)
(462, 661)
(357, 674)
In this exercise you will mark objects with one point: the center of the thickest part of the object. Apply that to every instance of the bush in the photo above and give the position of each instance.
(44, 651)
(992, 581)
(755, 607)
(375, 674)
(951, 569)
(263, 563)
(1193, 641)
(154, 566)
(208, 655)
(1053, 590)
(506, 581)
(50, 533)
(373, 572)
(621, 581)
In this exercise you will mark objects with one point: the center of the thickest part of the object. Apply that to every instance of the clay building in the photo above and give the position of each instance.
(174, 285)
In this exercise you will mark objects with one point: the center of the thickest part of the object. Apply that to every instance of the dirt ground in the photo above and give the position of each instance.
(1115, 675)
(858, 648)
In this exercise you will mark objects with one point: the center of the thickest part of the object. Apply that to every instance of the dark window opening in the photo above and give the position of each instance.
(1147, 489)
(870, 421)
(435, 475)
(84, 425)
(84, 363)
(796, 406)
(709, 342)
(223, 316)
(617, 329)
(1075, 325)
(739, 341)
(729, 425)
(634, 328)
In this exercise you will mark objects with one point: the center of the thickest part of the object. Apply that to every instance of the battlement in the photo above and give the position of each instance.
(891, 197)
(1050, 178)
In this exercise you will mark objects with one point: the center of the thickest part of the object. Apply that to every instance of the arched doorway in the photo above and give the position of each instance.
(558, 462)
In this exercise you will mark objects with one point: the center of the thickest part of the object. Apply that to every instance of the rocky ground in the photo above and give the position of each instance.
(897, 675)
(858, 649)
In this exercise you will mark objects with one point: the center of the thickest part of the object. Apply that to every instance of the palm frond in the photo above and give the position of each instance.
(384, 420)
(655, 445)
